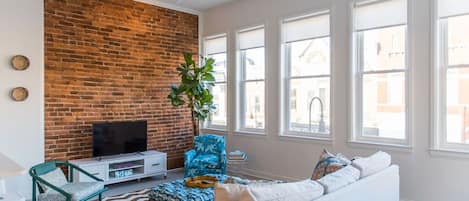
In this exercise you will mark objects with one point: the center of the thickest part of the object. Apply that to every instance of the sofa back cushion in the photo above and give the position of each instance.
(339, 178)
(372, 164)
(209, 144)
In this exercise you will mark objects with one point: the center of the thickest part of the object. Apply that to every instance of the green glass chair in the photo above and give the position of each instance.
(78, 191)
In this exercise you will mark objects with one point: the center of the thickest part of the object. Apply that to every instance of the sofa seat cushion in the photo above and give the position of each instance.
(206, 160)
(82, 190)
(50, 197)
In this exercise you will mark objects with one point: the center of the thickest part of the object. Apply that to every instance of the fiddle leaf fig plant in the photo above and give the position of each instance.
(194, 89)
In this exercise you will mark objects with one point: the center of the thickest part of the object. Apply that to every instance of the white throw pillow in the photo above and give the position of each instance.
(306, 190)
(339, 178)
(55, 177)
(372, 164)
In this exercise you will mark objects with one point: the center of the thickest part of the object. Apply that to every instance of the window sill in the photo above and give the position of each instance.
(211, 129)
(452, 153)
(380, 145)
(250, 133)
(298, 138)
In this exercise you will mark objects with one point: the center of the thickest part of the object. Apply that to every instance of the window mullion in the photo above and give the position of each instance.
(309, 76)
(359, 84)
(287, 94)
(306, 39)
(383, 71)
(250, 81)
(457, 66)
(443, 80)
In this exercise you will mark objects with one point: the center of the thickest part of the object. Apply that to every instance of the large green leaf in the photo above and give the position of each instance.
(208, 65)
(208, 77)
(195, 85)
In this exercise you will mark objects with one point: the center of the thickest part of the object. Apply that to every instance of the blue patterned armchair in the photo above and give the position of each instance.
(207, 157)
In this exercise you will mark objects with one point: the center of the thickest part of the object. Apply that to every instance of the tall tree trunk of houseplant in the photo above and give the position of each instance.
(195, 124)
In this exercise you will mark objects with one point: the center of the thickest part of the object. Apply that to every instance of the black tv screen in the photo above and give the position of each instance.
(119, 138)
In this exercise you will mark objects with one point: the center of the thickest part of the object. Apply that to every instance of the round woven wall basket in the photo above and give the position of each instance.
(20, 62)
(19, 94)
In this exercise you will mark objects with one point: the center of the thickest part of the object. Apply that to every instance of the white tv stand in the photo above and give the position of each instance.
(111, 168)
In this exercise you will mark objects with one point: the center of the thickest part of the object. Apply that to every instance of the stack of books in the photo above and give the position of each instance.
(237, 156)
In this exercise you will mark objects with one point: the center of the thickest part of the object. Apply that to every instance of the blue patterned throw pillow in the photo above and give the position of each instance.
(329, 163)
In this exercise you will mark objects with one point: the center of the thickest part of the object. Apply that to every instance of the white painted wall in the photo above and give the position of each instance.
(424, 177)
(22, 123)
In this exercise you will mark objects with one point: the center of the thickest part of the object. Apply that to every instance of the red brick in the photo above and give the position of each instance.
(114, 60)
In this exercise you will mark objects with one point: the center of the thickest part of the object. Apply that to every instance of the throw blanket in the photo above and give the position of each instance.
(306, 190)
(177, 191)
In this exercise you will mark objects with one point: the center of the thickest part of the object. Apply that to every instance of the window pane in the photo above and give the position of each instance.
(219, 98)
(255, 63)
(384, 49)
(457, 100)
(384, 105)
(310, 57)
(458, 42)
(304, 92)
(254, 105)
(219, 67)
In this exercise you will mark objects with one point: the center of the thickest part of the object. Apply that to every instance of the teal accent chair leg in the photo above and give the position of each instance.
(100, 196)
(34, 190)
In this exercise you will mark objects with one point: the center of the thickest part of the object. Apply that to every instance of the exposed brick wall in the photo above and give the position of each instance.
(114, 60)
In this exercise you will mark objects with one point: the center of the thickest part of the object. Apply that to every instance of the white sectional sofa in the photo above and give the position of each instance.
(381, 186)
(366, 179)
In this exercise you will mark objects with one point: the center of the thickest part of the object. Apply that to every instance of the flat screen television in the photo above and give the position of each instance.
(112, 138)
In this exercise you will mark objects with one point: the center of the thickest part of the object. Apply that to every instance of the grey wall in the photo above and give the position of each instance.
(425, 175)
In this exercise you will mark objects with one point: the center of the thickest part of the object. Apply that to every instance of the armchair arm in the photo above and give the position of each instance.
(223, 161)
(189, 156)
(37, 180)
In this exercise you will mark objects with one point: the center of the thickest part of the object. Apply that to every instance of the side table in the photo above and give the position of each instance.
(237, 166)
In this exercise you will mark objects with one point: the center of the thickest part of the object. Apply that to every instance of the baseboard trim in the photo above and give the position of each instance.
(181, 169)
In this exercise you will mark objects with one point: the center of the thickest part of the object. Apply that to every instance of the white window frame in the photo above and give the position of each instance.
(357, 88)
(240, 126)
(208, 123)
(439, 96)
(286, 55)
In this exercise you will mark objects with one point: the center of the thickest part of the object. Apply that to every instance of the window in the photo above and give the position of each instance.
(380, 72)
(452, 75)
(252, 73)
(307, 64)
(215, 47)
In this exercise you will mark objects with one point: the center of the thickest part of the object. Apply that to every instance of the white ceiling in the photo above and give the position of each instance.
(197, 5)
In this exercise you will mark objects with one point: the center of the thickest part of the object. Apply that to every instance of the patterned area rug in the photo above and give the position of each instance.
(134, 196)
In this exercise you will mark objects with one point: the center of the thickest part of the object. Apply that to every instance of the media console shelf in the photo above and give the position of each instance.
(120, 168)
